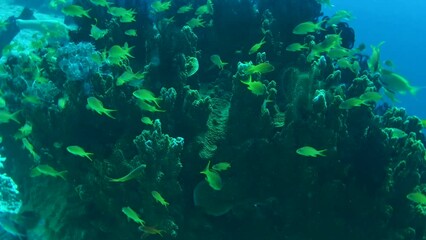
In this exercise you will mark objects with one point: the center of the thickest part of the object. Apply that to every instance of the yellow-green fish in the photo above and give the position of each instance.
(159, 6)
(264, 67)
(47, 170)
(374, 60)
(396, 133)
(185, 9)
(96, 105)
(79, 151)
(308, 151)
(75, 11)
(217, 61)
(213, 178)
(131, 175)
(351, 103)
(256, 87)
(144, 106)
(6, 116)
(131, 32)
(147, 121)
(295, 47)
(371, 97)
(146, 95)
(396, 83)
(307, 27)
(222, 166)
(131, 214)
(101, 3)
(157, 196)
(417, 197)
(27, 145)
(97, 33)
(257, 46)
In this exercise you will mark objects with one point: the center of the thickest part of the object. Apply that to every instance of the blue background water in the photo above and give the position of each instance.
(402, 25)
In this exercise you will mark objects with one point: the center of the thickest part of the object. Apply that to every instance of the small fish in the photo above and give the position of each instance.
(371, 97)
(417, 197)
(96, 105)
(26, 129)
(131, 32)
(75, 11)
(131, 214)
(159, 6)
(351, 103)
(147, 230)
(374, 60)
(396, 133)
(27, 145)
(47, 170)
(97, 33)
(222, 166)
(213, 178)
(308, 151)
(256, 87)
(79, 151)
(307, 27)
(261, 68)
(147, 121)
(144, 106)
(295, 47)
(389, 63)
(256, 47)
(101, 3)
(146, 95)
(185, 9)
(217, 61)
(157, 196)
(396, 83)
(131, 175)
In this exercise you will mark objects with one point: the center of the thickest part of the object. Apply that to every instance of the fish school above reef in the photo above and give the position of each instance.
(216, 119)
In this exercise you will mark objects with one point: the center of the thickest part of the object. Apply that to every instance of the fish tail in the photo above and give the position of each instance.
(108, 113)
(414, 90)
(14, 117)
(322, 152)
(63, 174)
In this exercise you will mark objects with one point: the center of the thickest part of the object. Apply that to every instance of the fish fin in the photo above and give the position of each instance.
(63, 174)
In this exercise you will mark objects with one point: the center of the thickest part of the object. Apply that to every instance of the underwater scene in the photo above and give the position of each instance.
(211, 120)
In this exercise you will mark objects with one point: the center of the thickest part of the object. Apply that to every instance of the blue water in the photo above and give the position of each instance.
(402, 25)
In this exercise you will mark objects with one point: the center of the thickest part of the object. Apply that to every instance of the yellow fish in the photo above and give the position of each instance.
(371, 97)
(351, 103)
(396, 133)
(47, 170)
(417, 197)
(131, 33)
(295, 47)
(96, 105)
(307, 27)
(222, 166)
(213, 178)
(147, 121)
(131, 175)
(97, 33)
(6, 116)
(144, 106)
(79, 151)
(27, 145)
(131, 214)
(396, 83)
(308, 151)
(256, 87)
(257, 46)
(217, 61)
(260, 68)
(157, 196)
(75, 11)
(185, 9)
(146, 95)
